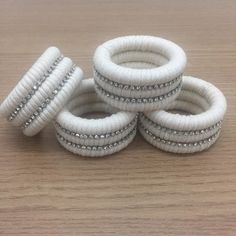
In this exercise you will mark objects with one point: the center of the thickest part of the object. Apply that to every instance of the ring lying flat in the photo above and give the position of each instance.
(93, 137)
(138, 73)
(180, 133)
(42, 92)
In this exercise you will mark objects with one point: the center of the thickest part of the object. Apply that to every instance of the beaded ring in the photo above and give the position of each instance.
(138, 73)
(93, 137)
(42, 92)
(181, 133)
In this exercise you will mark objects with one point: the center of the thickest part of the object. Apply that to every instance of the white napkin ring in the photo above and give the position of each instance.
(93, 137)
(138, 73)
(42, 92)
(181, 133)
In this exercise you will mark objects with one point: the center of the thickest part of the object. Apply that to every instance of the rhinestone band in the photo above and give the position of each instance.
(49, 99)
(137, 100)
(34, 88)
(180, 132)
(179, 144)
(97, 148)
(135, 87)
(96, 136)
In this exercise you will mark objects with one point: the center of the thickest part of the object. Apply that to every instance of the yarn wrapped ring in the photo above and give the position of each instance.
(182, 133)
(93, 137)
(138, 73)
(42, 92)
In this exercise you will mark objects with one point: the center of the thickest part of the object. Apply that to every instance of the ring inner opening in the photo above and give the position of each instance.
(95, 110)
(189, 103)
(139, 59)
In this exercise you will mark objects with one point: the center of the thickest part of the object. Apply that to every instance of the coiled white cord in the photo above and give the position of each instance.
(138, 73)
(93, 137)
(181, 133)
(42, 92)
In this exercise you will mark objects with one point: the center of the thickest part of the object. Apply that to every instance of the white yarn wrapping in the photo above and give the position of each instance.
(190, 133)
(56, 104)
(69, 123)
(44, 91)
(22, 88)
(28, 117)
(138, 61)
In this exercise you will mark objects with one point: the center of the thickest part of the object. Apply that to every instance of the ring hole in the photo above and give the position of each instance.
(189, 103)
(184, 107)
(139, 59)
(180, 112)
(97, 110)
(95, 115)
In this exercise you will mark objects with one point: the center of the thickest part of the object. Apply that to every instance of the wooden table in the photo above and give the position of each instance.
(45, 190)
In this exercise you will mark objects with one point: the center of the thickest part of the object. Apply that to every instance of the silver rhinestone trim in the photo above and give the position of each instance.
(181, 132)
(179, 144)
(136, 87)
(96, 136)
(96, 148)
(48, 100)
(138, 100)
(34, 88)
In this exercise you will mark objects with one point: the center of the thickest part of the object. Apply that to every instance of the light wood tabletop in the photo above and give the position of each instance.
(45, 190)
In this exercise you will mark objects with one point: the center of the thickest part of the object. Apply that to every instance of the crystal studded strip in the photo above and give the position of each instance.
(136, 88)
(48, 100)
(34, 88)
(179, 144)
(96, 148)
(96, 136)
(138, 100)
(181, 132)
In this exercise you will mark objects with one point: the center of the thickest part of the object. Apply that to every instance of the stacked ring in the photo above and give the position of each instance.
(93, 137)
(138, 73)
(42, 92)
(182, 133)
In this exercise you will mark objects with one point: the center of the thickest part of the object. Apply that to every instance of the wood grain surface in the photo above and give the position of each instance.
(45, 190)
